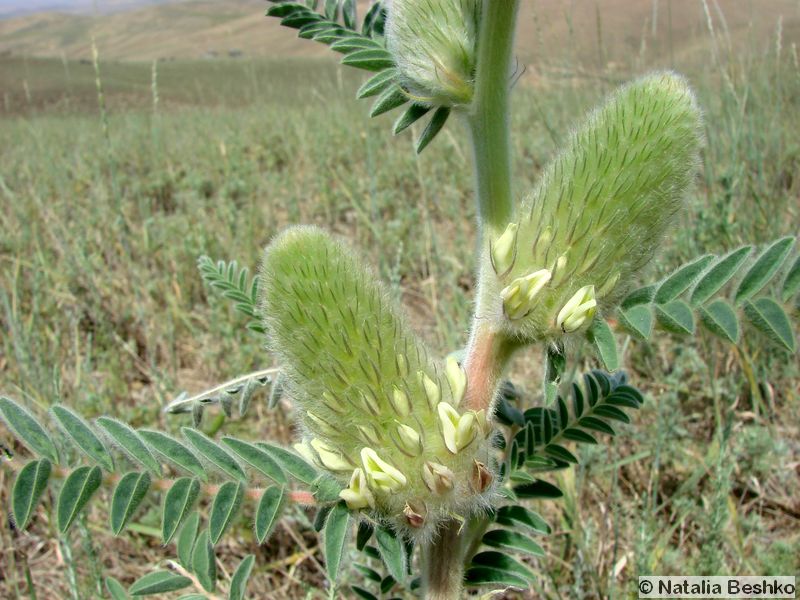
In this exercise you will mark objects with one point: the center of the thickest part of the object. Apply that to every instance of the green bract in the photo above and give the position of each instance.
(379, 412)
(598, 213)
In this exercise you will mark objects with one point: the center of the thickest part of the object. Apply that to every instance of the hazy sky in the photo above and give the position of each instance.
(19, 7)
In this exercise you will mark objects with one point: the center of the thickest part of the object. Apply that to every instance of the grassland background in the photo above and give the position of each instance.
(101, 306)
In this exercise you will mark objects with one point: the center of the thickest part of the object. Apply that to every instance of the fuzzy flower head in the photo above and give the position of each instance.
(433, 43)
(598, 213)
(377, 412)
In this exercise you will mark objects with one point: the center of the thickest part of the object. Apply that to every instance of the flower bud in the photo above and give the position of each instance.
(438, 478)
(402, 365)
(578, 310)
(400, 402)
(481, 477)
(358, 495)
(458, 431)
(433, 44)
(520, 295)
(432, 391)
(381, 475)
(304, 450)
(415, 513)
(329, 457)
(369, 403)
(321, 425)
(457, 379)
(369, 434)
(504, 250)
(408, 440)
(609, 285)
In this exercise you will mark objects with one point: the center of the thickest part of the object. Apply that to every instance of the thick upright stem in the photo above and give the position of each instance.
(443, 564)
(489, 116)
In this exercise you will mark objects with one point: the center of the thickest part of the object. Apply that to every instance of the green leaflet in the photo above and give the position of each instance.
(130, 442)
(392, 552)
(412, 114)
(681, 280)
(186, 539)
(81, 433)
(27, 429)
(638, 320)
(604, 343)
(218, 457)
(764, 268)
(291, 463)
(512, 540)
(389, 99)
(128, 495)
(204, 563)
(377, 83)
(433, 127)
(174, 451)
(240, 577)
(720, 319)
(719, 274)
(676, 317)
(76, 492)
(159, 582)
(792, 282)
(29, 486)
(257, 458)
(769, 318)
(484, 576)
(503, 562)
(115, 589)
(335, 535)
(178, 501)
(269, 511)
(226, 505)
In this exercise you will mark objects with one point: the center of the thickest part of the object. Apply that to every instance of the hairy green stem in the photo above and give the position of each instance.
(488, 116)
(443, 565)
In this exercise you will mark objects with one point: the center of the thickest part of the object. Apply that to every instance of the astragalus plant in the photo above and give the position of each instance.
(427, 461)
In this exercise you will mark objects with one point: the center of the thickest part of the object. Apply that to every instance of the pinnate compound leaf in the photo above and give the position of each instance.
(115, 589)
(676, 317)
(769, 318)
(792, 282)
(76, 492)
(638, 320)
(269, 511)
(720, 319)
(291, 463)
(218, 457)
(681, 280)
(81, 433)
(240, 577)
(604, 343)
(257, 458)
(335, 534)
(719, 274)
(27, 429)
(512, 540)
(204, 563)
(178, 502)
(764, 268)
(392, 552)
(175, 452)
(187, 538)
(159, 582)
(128, 495)
(503, 562)
(226, 506)
(130, 442)
(433, 127)
(28, 488)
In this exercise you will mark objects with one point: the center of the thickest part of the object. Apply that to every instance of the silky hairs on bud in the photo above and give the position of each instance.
(369, 392)
(433, 43)
(599, 211)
